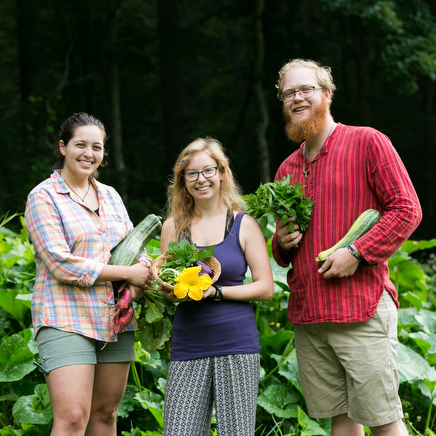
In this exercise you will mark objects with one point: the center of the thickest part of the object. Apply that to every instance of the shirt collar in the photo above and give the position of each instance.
(61, 187)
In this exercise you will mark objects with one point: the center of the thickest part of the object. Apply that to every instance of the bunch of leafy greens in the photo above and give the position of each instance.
(178, 257)
(154, 314)
(281, 200)
(186, 254)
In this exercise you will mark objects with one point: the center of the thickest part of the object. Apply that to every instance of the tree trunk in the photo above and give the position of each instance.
(428, 151)
(262, 111)
(116, 128)
(362, 48)
(169, 19)
(28, 23)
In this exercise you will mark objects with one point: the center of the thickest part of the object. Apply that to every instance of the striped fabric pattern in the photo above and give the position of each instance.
(357, 169)
(72, 246)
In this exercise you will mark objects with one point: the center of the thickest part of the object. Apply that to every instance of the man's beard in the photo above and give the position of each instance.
(302, 130)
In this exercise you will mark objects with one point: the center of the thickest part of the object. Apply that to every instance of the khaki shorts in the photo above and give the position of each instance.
(351, 368)
(58, 348)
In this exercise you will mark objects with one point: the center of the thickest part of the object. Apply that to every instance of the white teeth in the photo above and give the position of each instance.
(204, 188)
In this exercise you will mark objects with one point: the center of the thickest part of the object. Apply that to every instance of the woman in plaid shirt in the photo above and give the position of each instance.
(74, 222)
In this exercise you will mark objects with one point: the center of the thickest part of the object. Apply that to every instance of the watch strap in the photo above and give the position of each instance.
(355, 253)
(218, 293)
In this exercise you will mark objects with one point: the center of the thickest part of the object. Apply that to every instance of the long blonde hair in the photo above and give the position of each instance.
(180, 203)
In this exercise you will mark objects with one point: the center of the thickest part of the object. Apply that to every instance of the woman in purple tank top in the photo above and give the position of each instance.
(215, 359)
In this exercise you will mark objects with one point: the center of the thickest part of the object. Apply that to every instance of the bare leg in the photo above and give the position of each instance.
(109, 386)
(342, 425)
(70, 389)
(396, 428)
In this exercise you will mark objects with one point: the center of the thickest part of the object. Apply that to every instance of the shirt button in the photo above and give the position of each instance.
(311, 181)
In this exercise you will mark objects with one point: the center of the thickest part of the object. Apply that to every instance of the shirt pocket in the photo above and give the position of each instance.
(117, 226)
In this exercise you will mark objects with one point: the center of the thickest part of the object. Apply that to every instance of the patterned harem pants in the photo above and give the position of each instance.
(230, 382)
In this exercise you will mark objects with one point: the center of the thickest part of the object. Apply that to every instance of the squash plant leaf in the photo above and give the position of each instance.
(16, 359)
(153, 402)
(280, 401)
(34, 409)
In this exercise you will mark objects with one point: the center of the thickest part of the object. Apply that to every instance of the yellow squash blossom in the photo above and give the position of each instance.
(191, 284)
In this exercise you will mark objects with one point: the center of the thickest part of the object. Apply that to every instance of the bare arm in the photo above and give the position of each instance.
(138, 274)
(167, 235)
(256, 254)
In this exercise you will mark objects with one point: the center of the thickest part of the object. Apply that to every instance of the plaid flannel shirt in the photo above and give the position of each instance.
(72, 245)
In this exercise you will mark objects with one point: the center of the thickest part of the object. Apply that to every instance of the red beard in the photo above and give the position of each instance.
(302, 130)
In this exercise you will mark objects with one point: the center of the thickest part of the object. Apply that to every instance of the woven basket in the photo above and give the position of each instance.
(158, 263)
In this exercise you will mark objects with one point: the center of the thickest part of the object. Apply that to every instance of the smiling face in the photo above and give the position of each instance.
(203, 188)
(83, 153)
(305, 117)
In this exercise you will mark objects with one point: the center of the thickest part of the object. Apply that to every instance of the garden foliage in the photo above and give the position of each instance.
(25, 405)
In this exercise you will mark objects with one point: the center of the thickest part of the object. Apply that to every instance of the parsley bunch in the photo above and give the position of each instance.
(281, 200)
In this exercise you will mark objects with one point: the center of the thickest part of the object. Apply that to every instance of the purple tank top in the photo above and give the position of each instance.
(206, 328)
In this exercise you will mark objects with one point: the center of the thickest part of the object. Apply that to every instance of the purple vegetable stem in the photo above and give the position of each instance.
(204, 268)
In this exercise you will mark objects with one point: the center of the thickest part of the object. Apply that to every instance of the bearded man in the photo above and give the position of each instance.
(344, 311)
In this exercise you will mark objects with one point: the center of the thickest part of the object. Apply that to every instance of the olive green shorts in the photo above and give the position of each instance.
(351, 368)
(58, 348)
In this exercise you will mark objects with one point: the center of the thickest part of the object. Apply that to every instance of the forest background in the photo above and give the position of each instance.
(160, 73)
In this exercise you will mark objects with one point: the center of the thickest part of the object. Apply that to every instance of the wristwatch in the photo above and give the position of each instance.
(218, 293)
(354, 253)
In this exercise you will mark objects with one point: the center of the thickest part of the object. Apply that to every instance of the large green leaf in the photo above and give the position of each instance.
(152, 313)
(153, 335)
(406, 317)
(153, 402)
(422, 340)
(309, 426)
(413, 299)
(277, 342)
(427, 319)
(34, 409)
(412, 246)
(126, 406)
(412, 366)
(427, 344)
(25, 430)
(16, 359)
(280, 401)
(17, 308)
(407, 273)
(289, 370)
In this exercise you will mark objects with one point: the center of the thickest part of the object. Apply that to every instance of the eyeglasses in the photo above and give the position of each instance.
(306, 92)
(192, 176)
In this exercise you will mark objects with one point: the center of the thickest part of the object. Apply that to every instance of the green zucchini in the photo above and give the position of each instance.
(362, 225)
(126, 253)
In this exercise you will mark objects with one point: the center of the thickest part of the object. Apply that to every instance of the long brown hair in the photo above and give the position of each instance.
(180, 203)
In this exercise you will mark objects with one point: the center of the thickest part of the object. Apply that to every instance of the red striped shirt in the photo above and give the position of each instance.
(357, 169)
